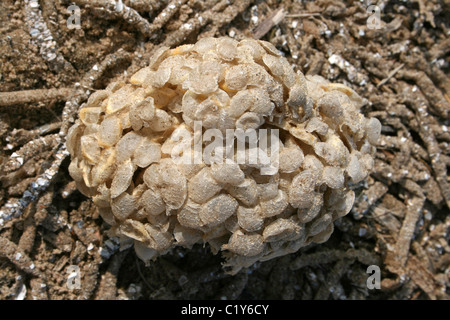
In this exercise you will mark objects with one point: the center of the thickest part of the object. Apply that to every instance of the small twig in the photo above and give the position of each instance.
(303, 15)
(390, 75)
(272, 20)
(31, 96)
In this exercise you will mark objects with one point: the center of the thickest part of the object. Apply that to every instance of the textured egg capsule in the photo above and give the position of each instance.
(308, 214)
(127, 145)
(103, 171)
(173, 185)
(204, 78)
(282, 229)
(122, 178)
(189, 217)
(246, 192)
(333, 177)
(236, 78)
(274, 206)
(320, 224)
(227, 48)
(159, 240)
(152, 202)
(186, 237)
(148, 151)
(134, 230)
(291, 158)
(247, 245)
(301, 191)
(250, 219)
(217, 210)
(203, 186)
(227, 172)
(110, 131)
(123, 206)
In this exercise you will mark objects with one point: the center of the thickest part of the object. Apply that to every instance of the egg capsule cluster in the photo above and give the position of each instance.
(123, 143)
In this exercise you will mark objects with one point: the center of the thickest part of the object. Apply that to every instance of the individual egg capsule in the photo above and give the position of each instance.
(173, 185)
(217, 210)
(146, 153)
(103, 198)
(189, 215)
(249, 120)
(110, 131)
(90, 115)
(275, 206)
(301, 191)
(261, 102)
(354, 169)
(236, 78)
(340, 202)
(105, 168)
(250, 219)
(324, 235)
(290, 158)
(157, 79)
(203, 186)
(134, 230)
(162, 121)
(96, 98)
(122, 178)
(159, 240)
(227, 172)
(247, 245)
(333, 177)
(273, 64)
(73, 138)
(250, 47)
(90, 148)
(282, 230)
(240, 103)
(186, 237)
(373, 130)
(269, 47)
(152, 201)
(320, 224)
(123, 206)
(312, 164)
(227, 48)
(144, 253)
(329, 106)
(205, 45)
(246, 192)
(333, 151)
(127, 145)
(204, 79)
(308, 214)
(119, 99)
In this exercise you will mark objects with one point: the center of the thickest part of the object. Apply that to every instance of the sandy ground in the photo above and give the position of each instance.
(395, 55)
